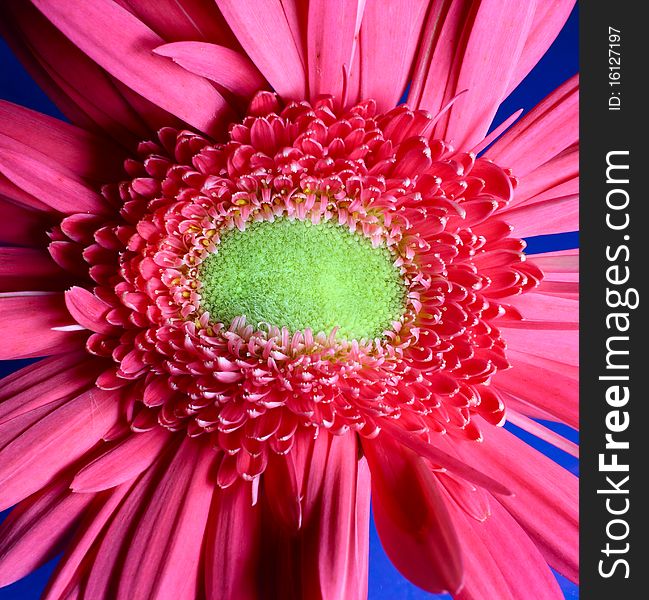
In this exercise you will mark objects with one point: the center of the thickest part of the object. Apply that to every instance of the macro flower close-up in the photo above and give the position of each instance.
(272, 263)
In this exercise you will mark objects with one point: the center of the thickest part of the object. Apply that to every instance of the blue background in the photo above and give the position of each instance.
(385, 582)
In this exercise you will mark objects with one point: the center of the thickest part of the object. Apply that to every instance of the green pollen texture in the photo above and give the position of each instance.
(296, 274)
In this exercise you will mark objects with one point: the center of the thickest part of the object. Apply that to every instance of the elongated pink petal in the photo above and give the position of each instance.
(121, 462)
(545, 501)
(331, 42)
(88, 310)
(262, 28)
(555, 366)
(170, 530)
(335, 539)
(31, 319)
(48, 380)
(436, 70)
(69, 571)
(156, 79)
(541, 134)
(497, 132)
(83, 91)
(21, 380)
(67, 195)
(551, 178)
(548, 343)
(70, 149)
(562, 262)
(111, 544)
(486, 79)
(501, 560)
(182, 20)
(54, 442)
(230, 69)
(12, 429)
(11, 194)
(439, 458)
(549, 18)
(36, 529)
(282, 490)
(313, 462)
(542, 432)
(21, 226)
(540, 307)
(561, 286)
(542, 386)
(386, 26)
(232, 545)
(296, 13)
(29, 269)
(556, 215)
(412, 520)
(361, 542)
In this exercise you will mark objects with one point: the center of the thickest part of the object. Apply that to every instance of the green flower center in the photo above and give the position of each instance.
(296, 274)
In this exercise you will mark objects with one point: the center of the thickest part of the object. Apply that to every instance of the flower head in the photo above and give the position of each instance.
(260, 317)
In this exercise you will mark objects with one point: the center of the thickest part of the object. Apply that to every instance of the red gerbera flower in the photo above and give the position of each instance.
(259, 306)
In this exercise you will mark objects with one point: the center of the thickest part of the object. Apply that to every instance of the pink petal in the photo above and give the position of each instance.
(545, 502)
(181, 20)
(558, 176)
(36, 530)
(555, 366)
(541, 134)
(501, 560)
(542, 432)
(487, 65)
(29, 269)
(121, 462)
(331, 41)
(11, 194)
(540, 307)
(439, 458)
(65, 147)
(232, 545)
(164, 84)
(542, 386)
(563, 262)
(66, 194)
(31, 319)
(311, 459)
(338, 540)
(81, 89)
(296, 12)
(21, 226)
(113, 541)
(387, 25)
(22, 379)
(472, 500)
(262, 28)
(230, 69)
(497, 132)
(52, 443)
(88, 310)
(549, 19)
(282, 490)
(556, 215)
(411, 517)
(170, 530)
(435, 67)
(70, 569)
(48, 380)
(548, 343)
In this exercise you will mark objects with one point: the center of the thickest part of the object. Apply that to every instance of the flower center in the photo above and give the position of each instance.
(300, 275)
